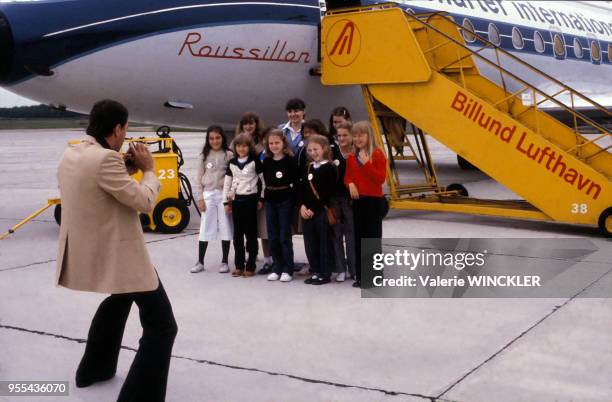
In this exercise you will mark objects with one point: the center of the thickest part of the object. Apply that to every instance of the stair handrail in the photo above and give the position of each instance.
(507, 53)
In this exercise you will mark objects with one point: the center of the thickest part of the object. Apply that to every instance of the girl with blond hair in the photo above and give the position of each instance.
(366, 171)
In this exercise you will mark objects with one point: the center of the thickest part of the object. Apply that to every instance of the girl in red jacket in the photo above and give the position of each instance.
(366, 171)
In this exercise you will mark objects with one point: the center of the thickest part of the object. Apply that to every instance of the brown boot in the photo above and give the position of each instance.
(237, 273)
(248, 274)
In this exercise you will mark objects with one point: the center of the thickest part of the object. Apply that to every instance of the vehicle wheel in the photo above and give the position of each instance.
(57, 214)
(464, 164)
(459, 188)
(605, 222)
(171, 216)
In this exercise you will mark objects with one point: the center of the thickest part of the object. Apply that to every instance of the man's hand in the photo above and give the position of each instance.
(141, 155)
(228, 208)
(260, 205)
(353, 190)
(129, 164)
(202, 205)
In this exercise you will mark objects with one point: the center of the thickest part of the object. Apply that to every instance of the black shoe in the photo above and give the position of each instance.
(312, 279)
(357, 284)
(321, 281)
(82, 382)
(265, 270)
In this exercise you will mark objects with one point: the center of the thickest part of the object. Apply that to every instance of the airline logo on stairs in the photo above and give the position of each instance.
(545, 157)
(343, 43)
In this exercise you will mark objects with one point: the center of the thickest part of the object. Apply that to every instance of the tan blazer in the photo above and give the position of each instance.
(101, 245)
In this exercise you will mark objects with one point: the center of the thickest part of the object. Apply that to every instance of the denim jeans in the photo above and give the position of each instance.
(279, 217)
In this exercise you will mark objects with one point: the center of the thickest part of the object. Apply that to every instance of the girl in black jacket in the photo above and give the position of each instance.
(280, 177)
(316, 188)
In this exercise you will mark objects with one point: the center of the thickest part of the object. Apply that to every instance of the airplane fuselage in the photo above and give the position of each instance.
(190, 63)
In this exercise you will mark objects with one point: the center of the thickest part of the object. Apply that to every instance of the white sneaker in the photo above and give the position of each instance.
(341, 277)
(273, 276)
(285, 277)
(197, 268)
(224, 268)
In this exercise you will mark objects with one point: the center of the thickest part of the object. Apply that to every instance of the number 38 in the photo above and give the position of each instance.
(580, 208)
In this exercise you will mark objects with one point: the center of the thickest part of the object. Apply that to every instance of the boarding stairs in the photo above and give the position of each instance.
(418, 68)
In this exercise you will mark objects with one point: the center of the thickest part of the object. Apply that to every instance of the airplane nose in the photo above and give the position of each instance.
(6, 48)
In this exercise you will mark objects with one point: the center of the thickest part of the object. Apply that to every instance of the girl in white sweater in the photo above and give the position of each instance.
(215, 223)
(242, 192)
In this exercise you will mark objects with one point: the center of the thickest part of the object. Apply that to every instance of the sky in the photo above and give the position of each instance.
(9, 99)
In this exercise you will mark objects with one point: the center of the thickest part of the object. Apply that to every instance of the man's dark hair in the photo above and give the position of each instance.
(104, 117)
(295, 104)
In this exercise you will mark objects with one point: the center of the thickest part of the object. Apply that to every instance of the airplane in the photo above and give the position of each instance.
(191, 63)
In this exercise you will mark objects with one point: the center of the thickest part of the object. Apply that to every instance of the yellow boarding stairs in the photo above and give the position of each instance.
(419, 68)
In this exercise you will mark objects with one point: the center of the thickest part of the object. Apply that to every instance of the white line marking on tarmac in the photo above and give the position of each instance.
(234, 367)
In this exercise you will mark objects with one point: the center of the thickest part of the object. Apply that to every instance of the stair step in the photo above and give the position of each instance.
(455, 69)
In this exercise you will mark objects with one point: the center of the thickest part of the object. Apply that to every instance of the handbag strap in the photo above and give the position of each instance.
(314, 190)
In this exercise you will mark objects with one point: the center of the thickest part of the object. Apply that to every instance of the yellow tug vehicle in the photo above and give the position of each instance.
(171, 213)
(417, 68)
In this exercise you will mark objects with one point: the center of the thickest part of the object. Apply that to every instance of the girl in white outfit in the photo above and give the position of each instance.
(215, 223)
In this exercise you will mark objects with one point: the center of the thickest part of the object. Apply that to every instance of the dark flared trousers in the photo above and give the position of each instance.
(148, 375)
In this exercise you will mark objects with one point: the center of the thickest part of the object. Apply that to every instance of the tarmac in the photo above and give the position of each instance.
(252, 340)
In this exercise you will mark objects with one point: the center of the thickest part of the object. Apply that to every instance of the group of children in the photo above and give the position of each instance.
(297, 178)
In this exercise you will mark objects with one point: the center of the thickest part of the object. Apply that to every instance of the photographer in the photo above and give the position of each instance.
(102, 249)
